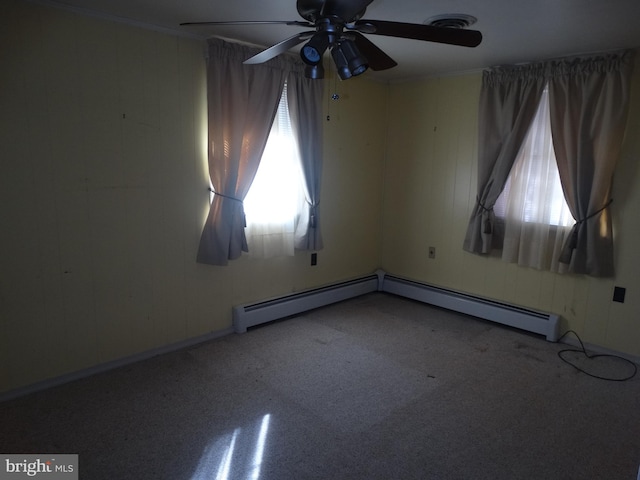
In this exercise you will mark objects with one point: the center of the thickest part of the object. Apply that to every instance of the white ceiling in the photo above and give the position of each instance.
(514, 31)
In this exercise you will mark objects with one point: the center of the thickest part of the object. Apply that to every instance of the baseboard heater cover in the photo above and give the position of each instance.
(546, 324)
(246, 316)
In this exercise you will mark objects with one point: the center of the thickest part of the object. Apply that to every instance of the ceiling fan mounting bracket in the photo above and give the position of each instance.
(330, 26)
(313, 10)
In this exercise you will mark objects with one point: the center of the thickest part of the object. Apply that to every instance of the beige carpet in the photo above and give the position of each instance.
(377, 387)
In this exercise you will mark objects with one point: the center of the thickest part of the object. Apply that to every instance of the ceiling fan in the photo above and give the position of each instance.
(338, 26)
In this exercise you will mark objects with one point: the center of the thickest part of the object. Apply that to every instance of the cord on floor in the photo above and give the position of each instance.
(590, 357)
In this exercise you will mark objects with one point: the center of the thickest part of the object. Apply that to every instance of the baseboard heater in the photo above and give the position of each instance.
(246, 316)
(522, 318)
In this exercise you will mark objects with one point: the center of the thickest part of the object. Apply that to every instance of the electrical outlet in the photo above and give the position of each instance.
(618, 294)
(432, 252)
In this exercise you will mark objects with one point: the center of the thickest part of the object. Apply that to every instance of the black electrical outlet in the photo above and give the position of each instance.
(618, 294)
(314, 259)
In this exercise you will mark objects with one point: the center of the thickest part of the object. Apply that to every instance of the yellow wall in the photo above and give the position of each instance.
(430, 188)
(103, 195)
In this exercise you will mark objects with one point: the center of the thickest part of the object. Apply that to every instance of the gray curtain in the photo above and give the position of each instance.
(509, 98)
(305, 109)
(242, 102)
(588, 104)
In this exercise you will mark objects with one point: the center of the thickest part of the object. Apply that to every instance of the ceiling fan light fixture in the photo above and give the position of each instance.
(314, 72)
(311, 53)
(341, 63)
(348, 59)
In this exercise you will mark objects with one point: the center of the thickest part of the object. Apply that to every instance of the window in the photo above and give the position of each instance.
(533, 192)
(275, 198)
(588, 127)
(536, 218)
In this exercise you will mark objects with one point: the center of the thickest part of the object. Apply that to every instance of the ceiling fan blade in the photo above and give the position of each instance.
(344, 9)
(279, 48)
(451, 36)
(376, 58)
(251, 22)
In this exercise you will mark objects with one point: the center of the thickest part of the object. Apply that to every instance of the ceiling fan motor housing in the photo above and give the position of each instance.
(314, 10)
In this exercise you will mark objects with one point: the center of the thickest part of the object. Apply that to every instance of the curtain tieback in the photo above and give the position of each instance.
(481, 205)
(312, 214)
(606, 205)
(574, 235)
(224, 196)
(488, 227)
(234, 199)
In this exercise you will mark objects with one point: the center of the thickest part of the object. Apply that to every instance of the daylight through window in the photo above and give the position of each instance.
(533, 193)
(276, 196)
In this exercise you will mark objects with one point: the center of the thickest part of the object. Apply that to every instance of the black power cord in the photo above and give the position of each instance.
(587, 355)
